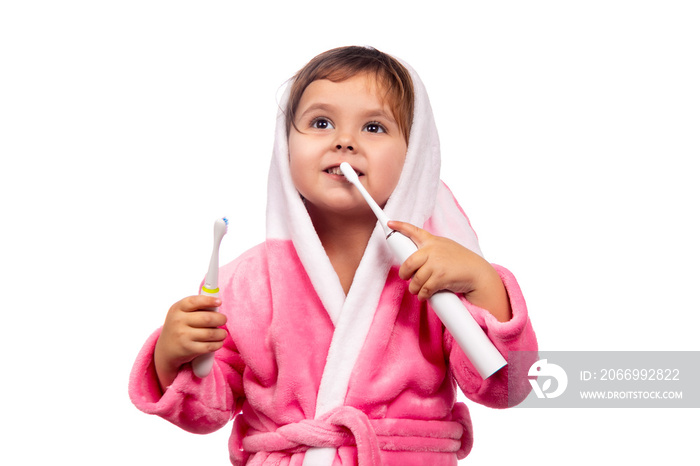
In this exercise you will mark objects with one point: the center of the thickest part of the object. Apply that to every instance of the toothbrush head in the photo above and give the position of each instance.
(220, 228)
(349, 173)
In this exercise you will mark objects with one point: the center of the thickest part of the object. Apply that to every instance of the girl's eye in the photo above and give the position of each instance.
(374, 127)
(321, 123)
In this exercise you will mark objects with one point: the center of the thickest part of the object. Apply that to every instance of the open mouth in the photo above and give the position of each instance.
(336, 171)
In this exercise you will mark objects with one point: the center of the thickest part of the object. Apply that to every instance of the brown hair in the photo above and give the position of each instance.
(345, 62)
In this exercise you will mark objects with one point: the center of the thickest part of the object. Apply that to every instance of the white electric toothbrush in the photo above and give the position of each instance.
(202, 364)
(456, 318)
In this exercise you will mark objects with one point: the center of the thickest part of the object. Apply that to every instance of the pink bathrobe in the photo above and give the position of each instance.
(315, 377)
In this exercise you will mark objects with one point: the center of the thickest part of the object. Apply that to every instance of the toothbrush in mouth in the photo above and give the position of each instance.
(448, 307)
(202, 364)
(336, 170)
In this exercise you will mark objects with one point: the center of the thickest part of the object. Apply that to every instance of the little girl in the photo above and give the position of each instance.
(327, 352)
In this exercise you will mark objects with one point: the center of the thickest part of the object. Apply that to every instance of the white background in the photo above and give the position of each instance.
(569, 134)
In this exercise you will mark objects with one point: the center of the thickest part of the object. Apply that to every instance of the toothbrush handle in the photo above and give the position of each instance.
(202, 364)
(467, 333)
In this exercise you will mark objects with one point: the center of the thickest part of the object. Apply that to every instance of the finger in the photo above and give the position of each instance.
(412, 264)
(428, 289)
(206, 319)
(418, 235)
(199, 302)
(196, 348)
(206, 335)
(418, 281)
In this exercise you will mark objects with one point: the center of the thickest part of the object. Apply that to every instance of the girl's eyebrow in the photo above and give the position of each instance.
(379, 113)
(370, 113)
(317, 106)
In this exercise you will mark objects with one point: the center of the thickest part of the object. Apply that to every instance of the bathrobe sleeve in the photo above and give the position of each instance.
(196, 405)
(515, 335)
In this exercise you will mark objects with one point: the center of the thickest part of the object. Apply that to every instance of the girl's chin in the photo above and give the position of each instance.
(346, 208)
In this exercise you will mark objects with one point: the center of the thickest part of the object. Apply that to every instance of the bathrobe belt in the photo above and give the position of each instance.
(348, 426)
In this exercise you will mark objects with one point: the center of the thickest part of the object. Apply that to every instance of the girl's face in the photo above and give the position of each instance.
(345, 121)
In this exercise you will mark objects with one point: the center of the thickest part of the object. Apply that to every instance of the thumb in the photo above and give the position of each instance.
(418, 235)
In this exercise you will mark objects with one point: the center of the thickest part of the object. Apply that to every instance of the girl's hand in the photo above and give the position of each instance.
(443, 264)
(190, 329)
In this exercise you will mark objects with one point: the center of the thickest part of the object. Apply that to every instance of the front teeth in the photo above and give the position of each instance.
(338, 171)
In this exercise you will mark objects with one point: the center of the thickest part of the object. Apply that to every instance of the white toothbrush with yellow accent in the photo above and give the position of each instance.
(202, 365)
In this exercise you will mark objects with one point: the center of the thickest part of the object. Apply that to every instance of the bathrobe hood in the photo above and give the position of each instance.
(419, 198)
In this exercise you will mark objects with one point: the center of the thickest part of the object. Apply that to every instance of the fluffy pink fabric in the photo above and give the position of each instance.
(269, 371)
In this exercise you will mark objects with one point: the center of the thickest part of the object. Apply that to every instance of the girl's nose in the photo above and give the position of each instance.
(345, 141)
